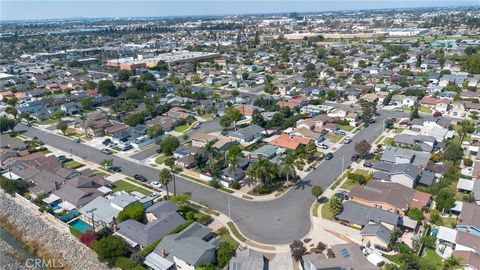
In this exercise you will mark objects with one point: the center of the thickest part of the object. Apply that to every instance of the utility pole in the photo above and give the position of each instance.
(93, 217)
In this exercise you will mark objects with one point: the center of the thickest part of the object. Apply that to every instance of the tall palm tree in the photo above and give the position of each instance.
(165, 177)
(452, 263)
(209, 150)
(262, 171)
(287, 170)
(466, 126)
(170, 162)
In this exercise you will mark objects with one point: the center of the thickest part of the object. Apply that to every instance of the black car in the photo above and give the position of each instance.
(368, 165)
(116, 168)
(371, 121)
(159, 150)
(106, 142)
(354, 158)
(342, 196)
(140, 178)
(328, 156)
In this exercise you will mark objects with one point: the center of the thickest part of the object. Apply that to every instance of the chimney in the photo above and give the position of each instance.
(114, 224)
(163, 253)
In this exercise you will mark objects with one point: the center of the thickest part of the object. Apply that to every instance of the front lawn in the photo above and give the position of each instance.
(449, 222)
(160, 159)
(326, 213)
(333, 137)
(425, 109)
(183, 128)
(128, 187)
(235, 231)
(73, 164)
(346, 127)
(432, 258)
(47, 122)
(349, 184)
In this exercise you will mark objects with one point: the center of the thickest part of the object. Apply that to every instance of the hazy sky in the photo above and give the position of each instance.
(41, 9)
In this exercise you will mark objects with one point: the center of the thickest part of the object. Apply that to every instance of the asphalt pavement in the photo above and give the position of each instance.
(279, 221)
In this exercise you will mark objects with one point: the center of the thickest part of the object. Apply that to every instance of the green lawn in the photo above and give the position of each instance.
(388, 142)
(228, 238)
(425, 109)
(362, 172)
(160, 159)
(326, 213)
(235, 231)
(394, 258)
(126, 186)
(315, 209)
(333, 137)
(449, 222)
(432, 258)
(183, 128)
(349, 184)
(47, 122)
(73, 164)
(346, 127)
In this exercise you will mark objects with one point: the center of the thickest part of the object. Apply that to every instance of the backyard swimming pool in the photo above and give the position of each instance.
(80, 225)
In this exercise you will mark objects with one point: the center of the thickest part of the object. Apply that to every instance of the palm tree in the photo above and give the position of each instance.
(165, 177)
(287, 169)
(170, 162)
(452, 263)
(466, 126)
(209, 150)
(262, 171)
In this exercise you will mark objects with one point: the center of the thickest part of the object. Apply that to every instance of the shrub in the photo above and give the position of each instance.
(73, 231)
(202, 218)
(110, 248)
(468, 162)
(234, 185)
(357, 178)
(214, 183)
(134, 211)
(88, 237)
(190, 215)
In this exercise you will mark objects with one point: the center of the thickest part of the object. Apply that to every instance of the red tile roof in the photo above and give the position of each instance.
(289, 141)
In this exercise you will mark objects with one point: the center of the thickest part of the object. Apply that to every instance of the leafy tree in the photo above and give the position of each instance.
(57, 115)
(13, 186)
(123, 75)
(107, 163)
(469, 197)
(225, 252)
(232, 115)
(87, 103)
(106, 87)
(135, 119)
(88, 237)
(445, 199)
(127, 264)
(12, 111)
(435, 217)
(27, 117)
(335, 205)
(466, 126)
(134, 211)
(62, 126)
(206, 266)
(409, 261)
(147, 76)
(262, 171)
(317, 191)
(453, 150)
(333, 62)
(12, 102)
(155, 131)
(7, 124)
(235, 93)
(257, 118)
(297, 249)
(393, 238)
(165, 177)
(362, 147)
(181, 200)
(452, 263)
(110, 248)
(415, 214)
(414, 113)
(472, 64)
(428, 241)
(169, 144)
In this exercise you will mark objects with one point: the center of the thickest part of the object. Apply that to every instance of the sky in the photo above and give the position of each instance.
(54, 9)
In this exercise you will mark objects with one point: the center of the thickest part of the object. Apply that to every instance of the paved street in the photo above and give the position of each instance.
(272, 222)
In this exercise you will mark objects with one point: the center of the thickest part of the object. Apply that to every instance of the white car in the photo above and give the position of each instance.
(156, 184)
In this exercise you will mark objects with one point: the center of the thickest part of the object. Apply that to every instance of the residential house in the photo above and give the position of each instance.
(397, 155)
(389, 196)
(162, 218)
(423, 142)
(81, 190)
(361, 215)
(469, 219)
(289, 141)
(104, 211)
(267, 151)
(376, 236)
(247, 134)
(186, 250)
(202, 139)
(346, 256)
(247, 259)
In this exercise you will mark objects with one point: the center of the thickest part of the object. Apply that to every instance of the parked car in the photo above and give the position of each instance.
(368, 165)
(339, 132)
(197, 125)
(342, 196)
(371, 121)
(77, 141)
(354, 157)
(159, 150)
(106, 151)
(106, 141)
(116, 168)
(156, 184)
(127, 147)
(322, 145)
(140, 178)
(347, 140)
(328, 156)
(63, 159)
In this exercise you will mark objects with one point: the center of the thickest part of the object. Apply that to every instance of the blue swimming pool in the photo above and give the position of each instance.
(80, 225)
(434, 232)
(55, 207)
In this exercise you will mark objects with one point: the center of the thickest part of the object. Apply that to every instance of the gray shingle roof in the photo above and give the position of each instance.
(362, 215)
(382, 232)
